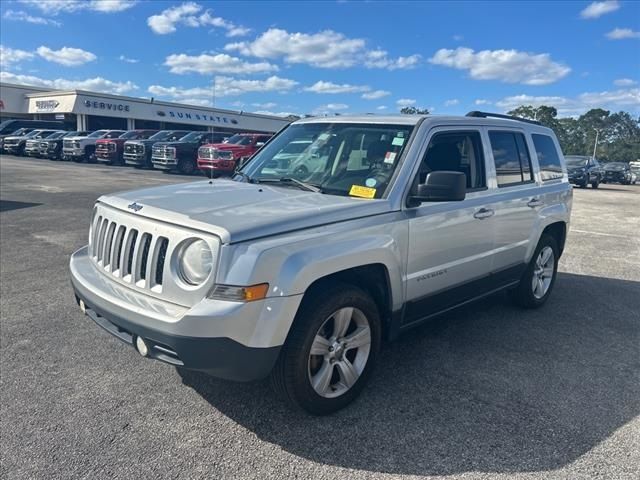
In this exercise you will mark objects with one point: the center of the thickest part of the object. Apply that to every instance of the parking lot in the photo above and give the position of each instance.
(486, 391)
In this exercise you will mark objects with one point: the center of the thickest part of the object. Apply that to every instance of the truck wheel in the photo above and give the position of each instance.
(539, 277)
(88, 152)
(330, 351)
(584, 184)
(595, 183)
(187, 166)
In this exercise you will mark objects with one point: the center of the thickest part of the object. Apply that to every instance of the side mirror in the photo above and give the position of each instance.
(441, 186)
(259, 144)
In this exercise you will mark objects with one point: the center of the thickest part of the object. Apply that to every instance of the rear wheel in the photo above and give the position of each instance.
(539, 277)
(331, 350)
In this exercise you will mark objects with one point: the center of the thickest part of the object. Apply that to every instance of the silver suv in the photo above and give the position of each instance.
(301, 274)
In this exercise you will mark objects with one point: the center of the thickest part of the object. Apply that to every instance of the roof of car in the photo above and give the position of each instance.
(401, 119)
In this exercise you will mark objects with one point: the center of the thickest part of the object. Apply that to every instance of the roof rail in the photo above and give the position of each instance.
(478, 114)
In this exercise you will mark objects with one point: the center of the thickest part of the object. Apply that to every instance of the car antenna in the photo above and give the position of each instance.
(211, 169)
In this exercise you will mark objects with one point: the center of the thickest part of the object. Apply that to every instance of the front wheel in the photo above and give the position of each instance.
(187, 166)
(595, 183)
(539, 277)
(331, 350)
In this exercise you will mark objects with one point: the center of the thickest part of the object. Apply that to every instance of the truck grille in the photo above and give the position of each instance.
(106, 147)
(135, 148)
(211, 153)
(163, 153)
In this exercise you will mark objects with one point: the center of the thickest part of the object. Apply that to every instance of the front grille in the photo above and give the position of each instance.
(127, 253)
(67, 144)
(163, 153)
(133, 148)
(106, 147)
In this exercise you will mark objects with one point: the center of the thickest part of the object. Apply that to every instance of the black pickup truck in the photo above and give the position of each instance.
(183, 154)
(138, 152)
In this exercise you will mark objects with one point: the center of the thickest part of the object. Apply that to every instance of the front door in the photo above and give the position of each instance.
(450, 242)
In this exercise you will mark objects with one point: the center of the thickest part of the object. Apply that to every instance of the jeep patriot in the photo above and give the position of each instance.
(301, 273)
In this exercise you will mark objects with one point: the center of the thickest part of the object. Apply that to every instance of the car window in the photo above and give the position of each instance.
(459, 151)
(511, 157)
(548, 158)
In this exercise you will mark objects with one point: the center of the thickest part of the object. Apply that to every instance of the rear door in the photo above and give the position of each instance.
(517, 199)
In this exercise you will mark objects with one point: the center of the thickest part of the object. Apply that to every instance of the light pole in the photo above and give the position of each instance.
(595, 145)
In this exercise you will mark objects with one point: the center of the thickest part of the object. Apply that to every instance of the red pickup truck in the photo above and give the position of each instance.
(110, 150)
(222, 158)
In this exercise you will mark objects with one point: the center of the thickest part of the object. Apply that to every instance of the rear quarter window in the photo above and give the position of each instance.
(548, 157)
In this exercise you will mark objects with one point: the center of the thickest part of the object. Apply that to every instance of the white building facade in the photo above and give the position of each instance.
(83, 110)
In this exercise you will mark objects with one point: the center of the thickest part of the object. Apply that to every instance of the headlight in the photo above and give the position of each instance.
(195, 262)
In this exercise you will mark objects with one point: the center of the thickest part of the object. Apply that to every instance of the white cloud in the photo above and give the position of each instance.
(624, 82)
(405, 102)
(622, 34)
(275, 114)
(122, 58)
(207, 64)
(97, 84)
(329, 108)
(621, 98)
(54, 7)
(10, 56)
(380, 59)
(191, 14)
(453, 101)
(509, 66)
(458, 38)
(329, 87)
(22, 16)
(597, 9)
(325, 49)
(265, 106)
(67, 56)
(224, 87)
(375, 94)
(482, 101)
(381, 107)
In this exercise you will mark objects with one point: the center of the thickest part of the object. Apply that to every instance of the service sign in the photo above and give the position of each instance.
(46, 105)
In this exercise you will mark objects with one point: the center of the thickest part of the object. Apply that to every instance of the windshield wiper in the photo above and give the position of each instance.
(304, 185)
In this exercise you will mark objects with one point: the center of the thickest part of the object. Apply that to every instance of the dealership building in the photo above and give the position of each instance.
(82, 110)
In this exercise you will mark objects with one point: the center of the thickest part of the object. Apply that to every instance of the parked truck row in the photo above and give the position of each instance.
(184, 151)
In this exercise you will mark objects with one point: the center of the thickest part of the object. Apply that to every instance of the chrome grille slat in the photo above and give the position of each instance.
(108, 239)
(141, 255)
(100, 243)
(116, 250)
(127, 254)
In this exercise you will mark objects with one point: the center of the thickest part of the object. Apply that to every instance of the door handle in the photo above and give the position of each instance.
(484, 213)
(534, 202)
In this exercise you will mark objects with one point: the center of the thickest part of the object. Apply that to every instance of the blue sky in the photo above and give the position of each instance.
(326, 57)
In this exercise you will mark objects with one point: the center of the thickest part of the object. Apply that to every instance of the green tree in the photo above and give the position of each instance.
(414, 111)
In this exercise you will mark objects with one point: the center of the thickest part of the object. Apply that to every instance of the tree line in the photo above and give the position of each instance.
(618, 133)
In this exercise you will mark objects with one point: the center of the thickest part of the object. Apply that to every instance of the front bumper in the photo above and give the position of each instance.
(73, 152)
(230, 340)
(32, 152)
(134, 158)
(164, 163)
(106, 156)
(218, 165)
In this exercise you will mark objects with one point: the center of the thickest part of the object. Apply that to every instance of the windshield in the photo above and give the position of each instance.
(168, 135)
(20, 132)
(97, 134)
(75, 134)
(240, 140)
(33, 133)
(55, 135)
(132, 135)
(615, 166)
(346, 159)
(576, 161)
(193, 137)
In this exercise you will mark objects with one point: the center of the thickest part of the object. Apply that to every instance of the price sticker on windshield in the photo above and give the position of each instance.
(363, 192)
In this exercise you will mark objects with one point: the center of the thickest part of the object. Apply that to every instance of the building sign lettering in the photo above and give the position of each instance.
(46, 105)
(203, 117)
(120, 107)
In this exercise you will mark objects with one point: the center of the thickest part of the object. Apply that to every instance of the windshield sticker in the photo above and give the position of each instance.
(360, 191)
(390, 157)
(397, 141)
(370, 182)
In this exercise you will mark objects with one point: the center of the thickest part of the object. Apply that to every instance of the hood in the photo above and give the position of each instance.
(171, 144)
(614, 168)
(238, 211)
(227, 146)
(142, 141)
(110, 140)
(575, 168)
(75, 139)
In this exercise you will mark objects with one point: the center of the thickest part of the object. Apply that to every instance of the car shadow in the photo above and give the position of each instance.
(486, 388)
(7, 205)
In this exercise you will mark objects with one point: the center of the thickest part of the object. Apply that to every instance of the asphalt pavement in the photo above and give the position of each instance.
(486, 391)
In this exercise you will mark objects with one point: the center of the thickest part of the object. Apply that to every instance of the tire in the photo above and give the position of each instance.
(584, 184)
(302, 170)
(187, 166)
(530, 295)
(88, 151)
(292, 375)
(595, 183)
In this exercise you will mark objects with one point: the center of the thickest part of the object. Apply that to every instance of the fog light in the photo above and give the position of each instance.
(83, 307)
(142, 347)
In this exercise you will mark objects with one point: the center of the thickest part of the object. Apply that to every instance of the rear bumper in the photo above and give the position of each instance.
(230, 340)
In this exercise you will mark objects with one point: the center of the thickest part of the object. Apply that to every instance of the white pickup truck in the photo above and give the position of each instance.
(83, 148)
(301, 274)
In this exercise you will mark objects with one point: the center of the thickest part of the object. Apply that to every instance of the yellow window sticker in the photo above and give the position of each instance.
(360, 191)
